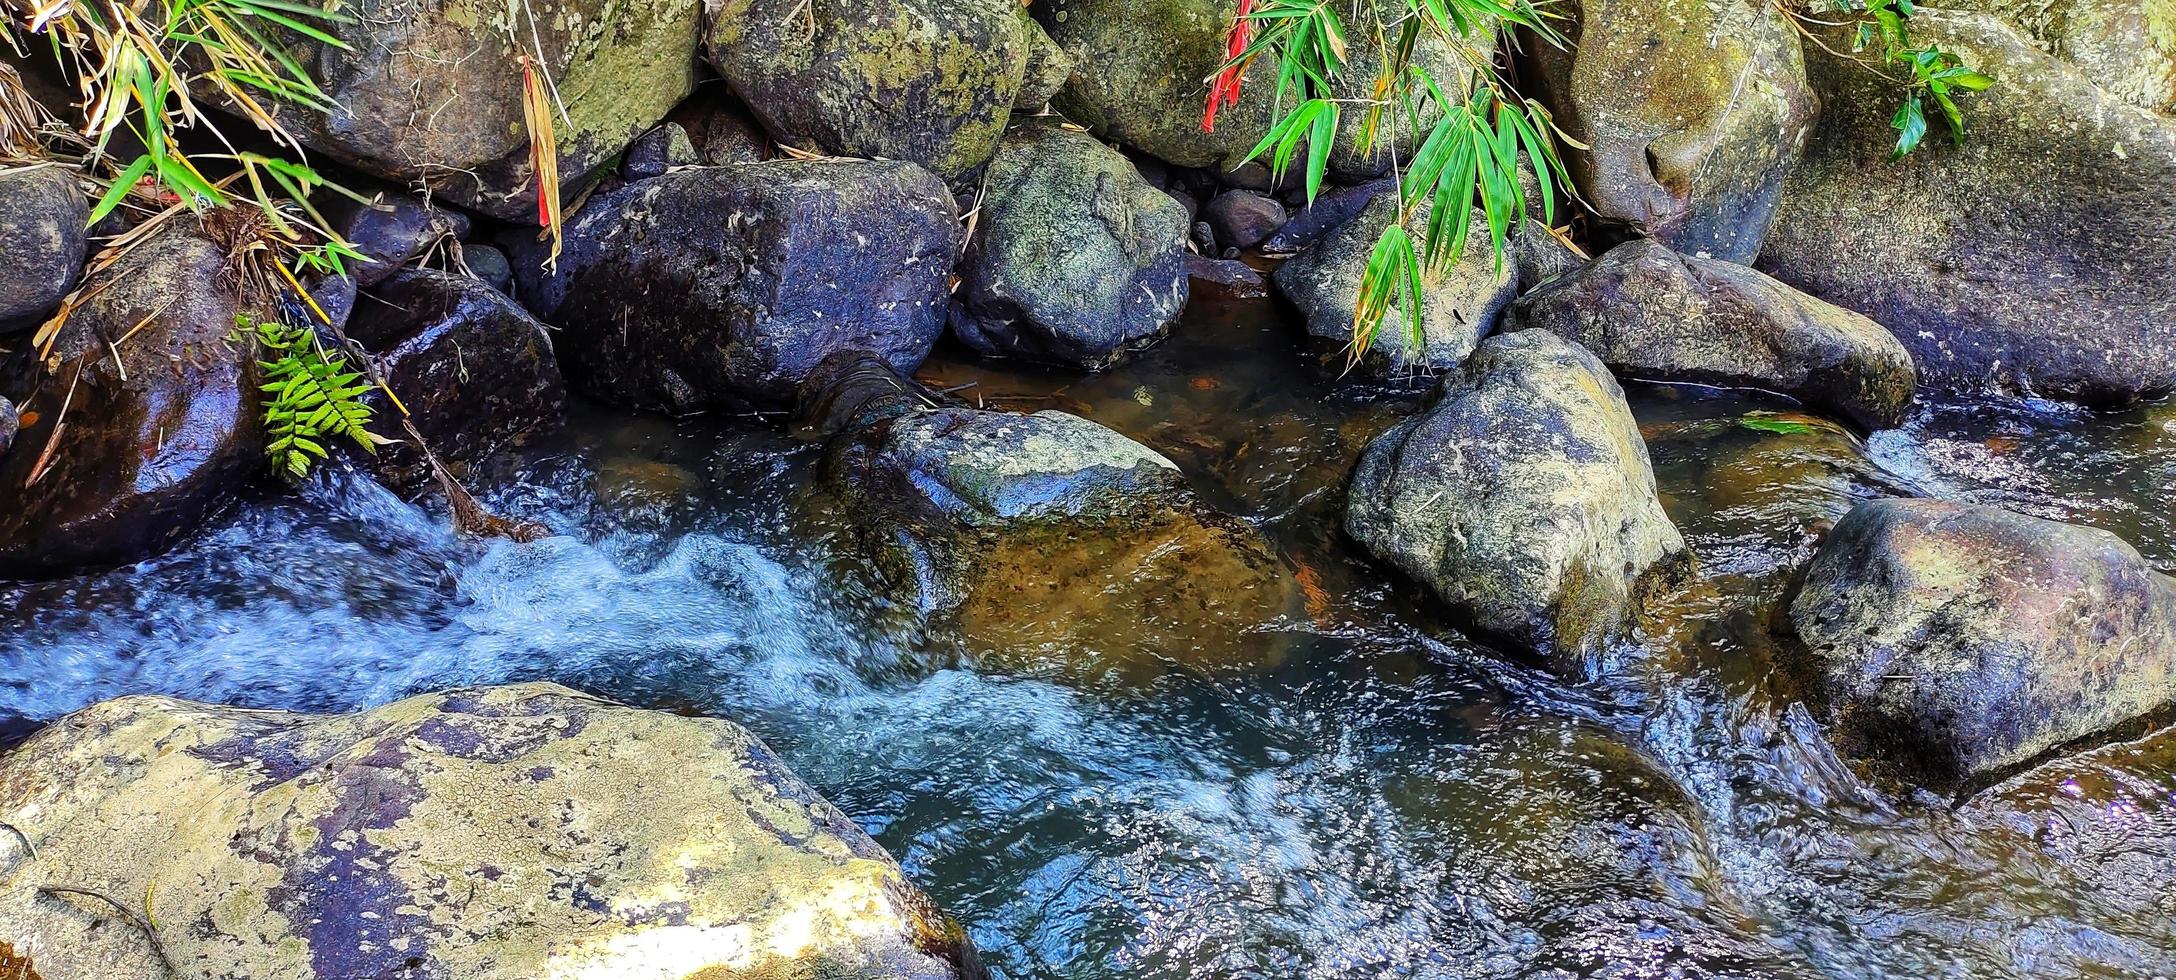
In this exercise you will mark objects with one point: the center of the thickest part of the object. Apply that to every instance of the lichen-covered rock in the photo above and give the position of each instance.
(1523, 497)
(2033, 257)
(931, 81)
(1653, 314)
(431, 90)
(1695, 111)
(509, 833)
(1076, 259)
(1141, 78)
(42, 243)
(475, 371)
(158, 429)
(10, 423)
(658, 151)
(998, 516)
(395, 229)
(721, 127)
(1956, 641)
(2127, 46)
(725, 286)
(1460, 303)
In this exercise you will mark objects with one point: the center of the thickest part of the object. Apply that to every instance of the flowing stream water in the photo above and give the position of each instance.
(1109, 787)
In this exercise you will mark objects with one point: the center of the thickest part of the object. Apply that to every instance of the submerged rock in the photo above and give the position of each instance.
(431, 90)
(42, 243)
(1653, 314)
(505, 833)
(1141, 78)
(1695, 111)
(395, 229)
(1002, 518)
(1956, 641)
(929, 81)
(2034, 257)
(1523, 497)
(156, 429)
(1459, 304)
(725, 286)
(1076, 259)
(475, 371)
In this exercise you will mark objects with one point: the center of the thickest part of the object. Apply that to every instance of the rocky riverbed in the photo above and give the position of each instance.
(955, 542)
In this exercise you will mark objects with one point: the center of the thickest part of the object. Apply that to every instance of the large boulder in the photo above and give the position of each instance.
(1002, 518)
(505, 833)
(42, 243)
(1523, 498)
(1694, 110)
(2034, 257)
(431, 90)
(156, 426)
(474, 370)
(2127, 46)
(725, 286)
(1957, 641)
(1142, 69)
(1075, 259)
(833, 77)
(1652, 314)
(1459, 303)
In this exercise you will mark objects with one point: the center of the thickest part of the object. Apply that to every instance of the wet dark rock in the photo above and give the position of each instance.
(1652, 314)
(503, 833)
(335, 297)
(1075, 260)
(430, 91)
(395, 229)
(2034, 258)
(10, 423)
(1244, 219)
(42, 242)
(1225, 278)
(475, 371)
(1695, 110)
(158, 432)
(928, 81)
(1459, 304)
(1141, 71)
(724, 286)
(721, 127)
(490, 265)
(995, 516)
(1956, 641)
(1331, 210)
(1539, 256)
(658, 151)
(1204, 238)
(1523, 497)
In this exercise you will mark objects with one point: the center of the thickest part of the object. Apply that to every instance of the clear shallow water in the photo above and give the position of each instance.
(1349, 790)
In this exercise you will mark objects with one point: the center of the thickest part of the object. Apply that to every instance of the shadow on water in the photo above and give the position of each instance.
(1348, 789)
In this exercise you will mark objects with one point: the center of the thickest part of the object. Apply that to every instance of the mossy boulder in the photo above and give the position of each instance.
(1141, 71)
(42, 242)
(2127, 46)
(1695, 110)
(505, 833)
(1459, 304)
(725, 286)
(2032, 258)
(1075, 259)
(1956, 641)
(1523, 497)
(431, 90)
(1652, 314)
(931, 81)
(157, 428)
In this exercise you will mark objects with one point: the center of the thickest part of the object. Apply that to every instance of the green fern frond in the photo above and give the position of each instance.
(310, 397)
